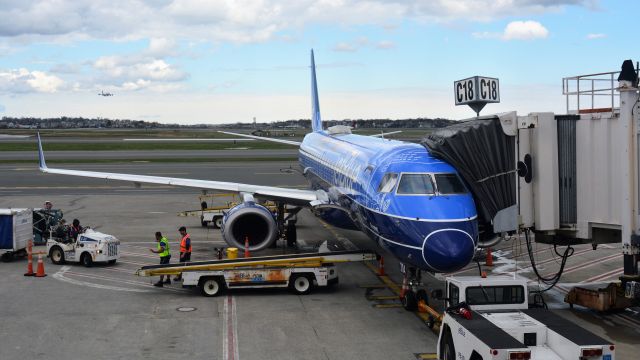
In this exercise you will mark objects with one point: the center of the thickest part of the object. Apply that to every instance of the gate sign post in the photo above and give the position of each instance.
(477, 91)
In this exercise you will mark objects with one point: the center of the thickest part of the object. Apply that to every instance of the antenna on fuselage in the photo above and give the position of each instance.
(316, 120)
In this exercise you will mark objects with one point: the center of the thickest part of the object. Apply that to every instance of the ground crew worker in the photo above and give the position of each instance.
(75, 230)
(165, 256)
(185, 249)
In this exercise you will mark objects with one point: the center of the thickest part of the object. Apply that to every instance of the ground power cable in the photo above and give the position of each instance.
(550, 281)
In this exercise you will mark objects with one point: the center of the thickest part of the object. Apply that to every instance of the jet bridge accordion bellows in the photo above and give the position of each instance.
(485, 158)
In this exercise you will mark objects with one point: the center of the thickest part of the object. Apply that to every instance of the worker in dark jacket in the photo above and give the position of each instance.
(75, 230)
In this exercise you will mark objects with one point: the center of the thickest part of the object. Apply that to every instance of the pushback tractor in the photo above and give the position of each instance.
(491, 319)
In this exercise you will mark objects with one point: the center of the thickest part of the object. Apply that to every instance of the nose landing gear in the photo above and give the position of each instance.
(411, 295)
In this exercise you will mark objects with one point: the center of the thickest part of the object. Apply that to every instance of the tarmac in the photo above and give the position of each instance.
(106, 312)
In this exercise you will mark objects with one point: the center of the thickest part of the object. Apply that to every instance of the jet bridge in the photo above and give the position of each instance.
(569, 179)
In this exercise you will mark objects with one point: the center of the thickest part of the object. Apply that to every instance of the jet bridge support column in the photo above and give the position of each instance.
(630, 118)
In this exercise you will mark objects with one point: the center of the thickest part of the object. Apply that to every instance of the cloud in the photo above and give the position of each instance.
(385, 44)
(25, 81)
(516, 30)
(239, 21)
(2, 108)
(363, 42)
(524, 30)
(344, 47)
(596, 36)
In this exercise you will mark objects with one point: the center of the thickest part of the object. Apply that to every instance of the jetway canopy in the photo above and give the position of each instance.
(485, 157)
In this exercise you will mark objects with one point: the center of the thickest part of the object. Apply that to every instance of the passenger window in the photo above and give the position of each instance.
(454, 295)
(388, 183)
(488, 295)
(415, 184)
(450, 184)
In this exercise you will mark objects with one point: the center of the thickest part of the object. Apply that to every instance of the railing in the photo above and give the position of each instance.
(600, 88)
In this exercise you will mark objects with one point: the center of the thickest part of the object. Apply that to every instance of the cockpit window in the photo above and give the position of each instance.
(388, 182)
(415, 184)
(450, 184)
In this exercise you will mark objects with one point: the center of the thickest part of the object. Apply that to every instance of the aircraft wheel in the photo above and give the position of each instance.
(409, 301)
(57, 255)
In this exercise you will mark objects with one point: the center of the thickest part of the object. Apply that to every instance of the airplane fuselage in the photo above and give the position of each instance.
(411, 203)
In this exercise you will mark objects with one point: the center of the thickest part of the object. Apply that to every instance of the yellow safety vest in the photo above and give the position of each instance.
(163, 242)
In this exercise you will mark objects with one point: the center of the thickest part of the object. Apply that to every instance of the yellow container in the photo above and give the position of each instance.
(232, 253)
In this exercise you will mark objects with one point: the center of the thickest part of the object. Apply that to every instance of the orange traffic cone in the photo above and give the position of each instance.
(246, 247)
(381, 266)
(40, 272)
(489, 261)
(30, 260)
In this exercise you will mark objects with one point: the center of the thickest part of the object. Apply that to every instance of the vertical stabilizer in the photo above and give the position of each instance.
(316, 120)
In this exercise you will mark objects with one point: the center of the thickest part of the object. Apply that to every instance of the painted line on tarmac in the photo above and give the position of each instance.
(606, 275)
(138, 255)
(130, 282)
(528, 268)
(60, 276)
(133, 263)
(230, 330)
(633, 323)
(587, 264)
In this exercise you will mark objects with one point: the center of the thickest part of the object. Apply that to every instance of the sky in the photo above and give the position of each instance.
(225, 61)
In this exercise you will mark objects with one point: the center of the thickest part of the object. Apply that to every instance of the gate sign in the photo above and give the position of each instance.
(477, 91)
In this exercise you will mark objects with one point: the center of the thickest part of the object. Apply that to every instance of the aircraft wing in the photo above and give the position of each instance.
(292, 196)
(288, 142)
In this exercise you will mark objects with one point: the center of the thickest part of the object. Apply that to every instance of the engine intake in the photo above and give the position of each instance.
(249, 220)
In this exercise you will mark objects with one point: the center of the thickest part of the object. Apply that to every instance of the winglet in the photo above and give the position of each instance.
(42, 163)
(316, 120)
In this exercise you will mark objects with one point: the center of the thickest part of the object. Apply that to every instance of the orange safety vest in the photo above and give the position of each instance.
(183, 244)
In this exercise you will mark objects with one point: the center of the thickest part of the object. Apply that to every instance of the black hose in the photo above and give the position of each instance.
(552, 280)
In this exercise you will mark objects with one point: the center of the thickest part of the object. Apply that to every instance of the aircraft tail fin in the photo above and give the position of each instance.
(316, 120)
(41, 162)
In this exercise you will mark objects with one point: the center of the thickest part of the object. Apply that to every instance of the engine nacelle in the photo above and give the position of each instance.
(249, 220)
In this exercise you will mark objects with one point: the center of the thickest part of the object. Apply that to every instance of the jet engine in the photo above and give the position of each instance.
(252, 221)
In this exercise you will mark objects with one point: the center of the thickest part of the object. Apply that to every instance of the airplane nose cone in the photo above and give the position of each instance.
(448, 250)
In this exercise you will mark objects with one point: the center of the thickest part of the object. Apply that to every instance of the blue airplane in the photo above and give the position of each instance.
(412, 204)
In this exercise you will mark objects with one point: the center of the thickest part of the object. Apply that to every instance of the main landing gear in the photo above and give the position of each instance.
(411, 295)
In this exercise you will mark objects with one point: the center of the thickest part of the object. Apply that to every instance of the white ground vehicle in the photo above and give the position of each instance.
(92, 246)
(299, 272)
(502, 327)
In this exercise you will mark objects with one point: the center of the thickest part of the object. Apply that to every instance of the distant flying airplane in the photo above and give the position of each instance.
(102, 93)
(410, 203)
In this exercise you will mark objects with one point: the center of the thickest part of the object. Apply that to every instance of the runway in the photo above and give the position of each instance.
(235, 151)
(348, 322)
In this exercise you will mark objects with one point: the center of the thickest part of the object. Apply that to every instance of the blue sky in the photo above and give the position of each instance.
(197, 61)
